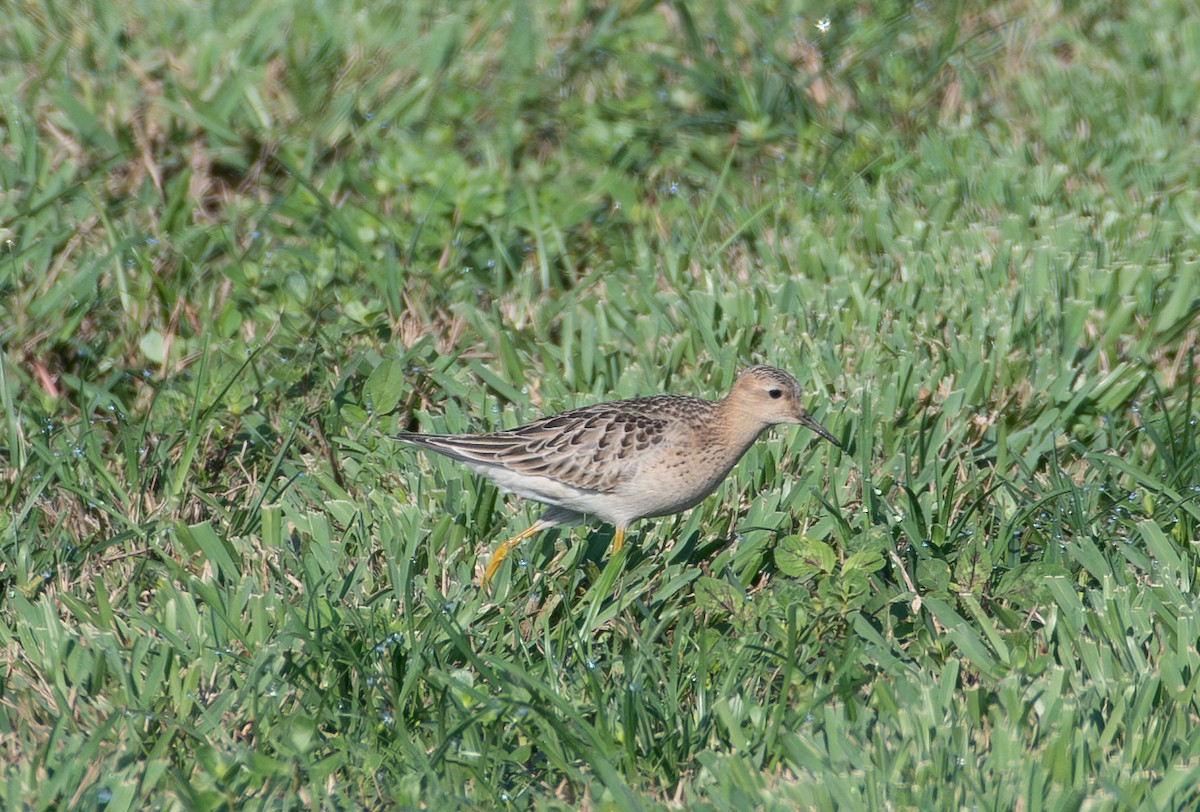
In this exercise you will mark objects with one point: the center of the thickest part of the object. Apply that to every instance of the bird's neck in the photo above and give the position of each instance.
(740, 427)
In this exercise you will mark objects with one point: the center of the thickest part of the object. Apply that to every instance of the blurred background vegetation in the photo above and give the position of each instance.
(242, 242)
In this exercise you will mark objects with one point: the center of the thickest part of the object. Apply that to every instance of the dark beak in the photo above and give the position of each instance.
(807, 419)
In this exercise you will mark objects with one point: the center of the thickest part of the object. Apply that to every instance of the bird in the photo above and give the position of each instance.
(625, 460)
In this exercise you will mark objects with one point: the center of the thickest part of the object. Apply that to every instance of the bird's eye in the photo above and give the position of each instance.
(775, 394)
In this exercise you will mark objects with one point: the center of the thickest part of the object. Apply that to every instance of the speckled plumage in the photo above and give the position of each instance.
(627, 459)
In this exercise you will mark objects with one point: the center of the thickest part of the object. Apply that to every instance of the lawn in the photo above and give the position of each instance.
(242, 243)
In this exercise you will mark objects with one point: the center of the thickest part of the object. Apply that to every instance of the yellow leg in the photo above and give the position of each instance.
(502, 552)
(618, 540)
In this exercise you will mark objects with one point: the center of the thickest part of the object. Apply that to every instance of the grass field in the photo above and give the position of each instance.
(243, 242)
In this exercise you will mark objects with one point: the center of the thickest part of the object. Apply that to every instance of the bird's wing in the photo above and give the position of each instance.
(595, 448)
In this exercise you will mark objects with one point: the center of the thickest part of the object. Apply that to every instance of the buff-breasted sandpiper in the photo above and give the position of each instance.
(627, 459)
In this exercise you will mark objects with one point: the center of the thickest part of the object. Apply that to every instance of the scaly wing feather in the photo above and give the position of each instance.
(595, 447)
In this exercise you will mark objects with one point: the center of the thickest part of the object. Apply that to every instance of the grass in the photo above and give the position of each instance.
(243, 244)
